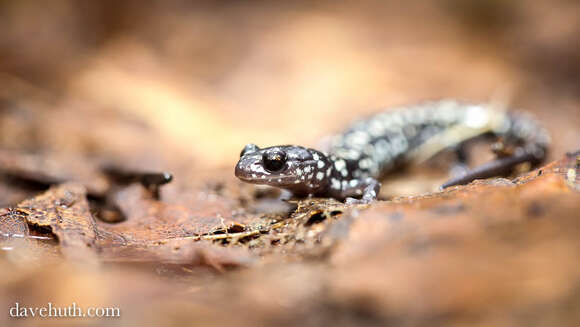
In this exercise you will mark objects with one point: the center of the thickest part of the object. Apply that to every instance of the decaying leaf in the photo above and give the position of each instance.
(153, 232)
(65, 210)
(12, 224)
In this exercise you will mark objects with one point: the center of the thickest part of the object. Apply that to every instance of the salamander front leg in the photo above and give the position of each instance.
(367, 189)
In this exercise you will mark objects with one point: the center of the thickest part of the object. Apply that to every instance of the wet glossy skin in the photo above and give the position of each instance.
(303, 171)
(373, 146)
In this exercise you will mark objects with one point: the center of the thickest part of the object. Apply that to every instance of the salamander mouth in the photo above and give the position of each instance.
(257, 179)
(260, 178)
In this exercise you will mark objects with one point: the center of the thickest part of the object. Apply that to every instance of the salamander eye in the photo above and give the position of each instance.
(249, 148)
(274, 161)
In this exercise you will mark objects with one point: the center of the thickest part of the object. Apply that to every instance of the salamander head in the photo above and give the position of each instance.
(287, 166)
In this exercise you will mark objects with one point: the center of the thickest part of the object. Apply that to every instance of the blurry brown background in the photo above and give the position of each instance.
(182, 86)
(200, 79)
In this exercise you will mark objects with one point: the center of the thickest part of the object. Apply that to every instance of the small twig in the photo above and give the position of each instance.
(227, 235)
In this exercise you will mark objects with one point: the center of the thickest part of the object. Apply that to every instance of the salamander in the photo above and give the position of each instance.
(376, 145)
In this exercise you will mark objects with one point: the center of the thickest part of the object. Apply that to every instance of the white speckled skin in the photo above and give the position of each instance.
(373, 146)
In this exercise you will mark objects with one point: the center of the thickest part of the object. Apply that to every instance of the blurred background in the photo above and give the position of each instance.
(183, 85)
(180, 83)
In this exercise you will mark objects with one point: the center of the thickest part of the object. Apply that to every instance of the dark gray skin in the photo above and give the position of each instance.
(381, 143)
(303, 171)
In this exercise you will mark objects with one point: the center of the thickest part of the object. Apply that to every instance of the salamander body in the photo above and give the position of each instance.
(378, 144)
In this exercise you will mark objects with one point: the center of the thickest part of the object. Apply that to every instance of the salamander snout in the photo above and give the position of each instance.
(248, 168)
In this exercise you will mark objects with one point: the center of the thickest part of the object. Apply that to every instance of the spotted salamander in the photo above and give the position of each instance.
(376, 145)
